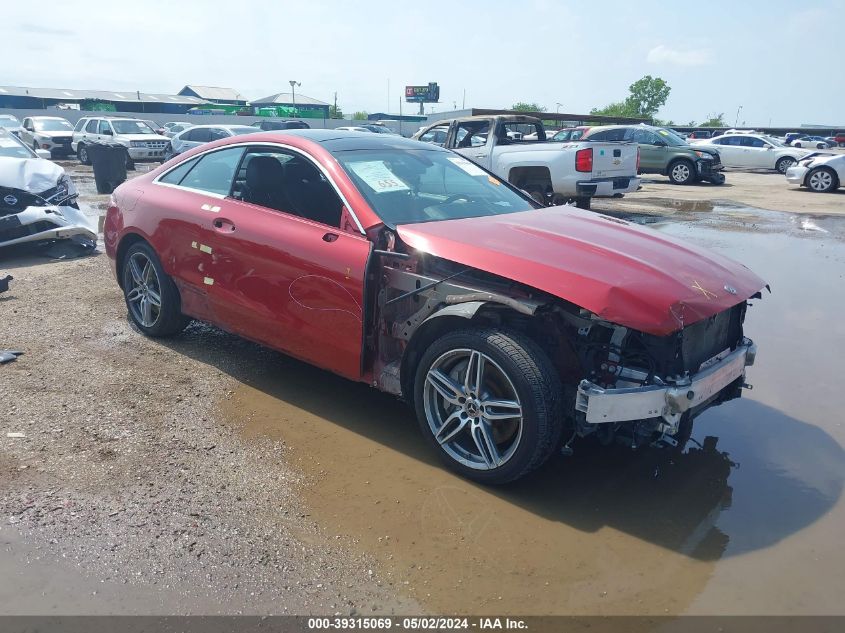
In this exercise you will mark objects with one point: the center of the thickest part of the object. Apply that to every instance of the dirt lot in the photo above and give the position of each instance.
(205, 474)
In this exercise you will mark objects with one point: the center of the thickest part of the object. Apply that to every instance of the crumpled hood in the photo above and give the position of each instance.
(707, 150)
(624, 273)
(35, 175)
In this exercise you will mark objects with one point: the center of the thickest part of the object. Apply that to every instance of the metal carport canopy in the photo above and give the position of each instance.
(563, 116)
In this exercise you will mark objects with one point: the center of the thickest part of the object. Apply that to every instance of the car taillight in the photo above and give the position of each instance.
(638, 160)
(584, 159)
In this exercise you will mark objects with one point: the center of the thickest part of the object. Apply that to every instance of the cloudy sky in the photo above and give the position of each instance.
(781, 61)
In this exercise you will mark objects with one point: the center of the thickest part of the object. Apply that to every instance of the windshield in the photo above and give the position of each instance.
(52, 125)
(423, 186)
(774, 141)
(131, 127)
(670, 137)
(9, 121)
(10, 148)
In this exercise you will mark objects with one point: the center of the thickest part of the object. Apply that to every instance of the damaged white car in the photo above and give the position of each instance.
(38, 200)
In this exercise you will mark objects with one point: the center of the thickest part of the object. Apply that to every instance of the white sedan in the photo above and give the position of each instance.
(822, 173)
(754, 151)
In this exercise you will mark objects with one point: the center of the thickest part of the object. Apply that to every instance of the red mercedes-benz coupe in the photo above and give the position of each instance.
(511, 329)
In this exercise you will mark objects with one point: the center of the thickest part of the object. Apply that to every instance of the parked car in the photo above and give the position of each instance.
(142, 143)
(822, 173)
(570, 134)
(752, 150)
(10, 123)
(51, 133)
(551, 172)
(275, 124)
(378, 128)
(37, 198)
(699, 134)
(817, 142)
(534, 136)
(510, 328)
(200, 134)
(353, 128)
(175, 128)
(664, 152)
(839, 137)
(171, 124)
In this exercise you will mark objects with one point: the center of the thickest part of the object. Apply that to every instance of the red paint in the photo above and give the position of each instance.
(626, 274)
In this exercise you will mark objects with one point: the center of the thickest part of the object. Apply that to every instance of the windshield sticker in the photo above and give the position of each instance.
(468, 166)
(378, 176)
(493, 181)
(663, 132)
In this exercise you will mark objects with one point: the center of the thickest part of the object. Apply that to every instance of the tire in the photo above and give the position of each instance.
(682, 172)
(822, 180)
(796, 144)
(515, 371)
(143, 280)
(784, 163)
(583, 202)
(82, 154)
(717, 179)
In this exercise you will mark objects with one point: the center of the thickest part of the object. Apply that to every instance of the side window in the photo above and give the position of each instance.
(473, 133)
(288, 182)
(27, 124)
(616, 134)
(91, 128)
(104, 127)
(435, 135)
(216, 134)
(751, 141)
(175, 175)
(638, 135)
(200, 135)
(215, 171)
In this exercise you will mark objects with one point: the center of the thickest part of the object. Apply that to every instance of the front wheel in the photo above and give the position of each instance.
(682, 172)
(151, 296)
(784, 163)
(489, 401)
(822, 180)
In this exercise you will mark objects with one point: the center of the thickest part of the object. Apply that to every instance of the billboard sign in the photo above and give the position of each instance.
(423, 94)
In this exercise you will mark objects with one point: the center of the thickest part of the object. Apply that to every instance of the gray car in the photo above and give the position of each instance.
(199, 134)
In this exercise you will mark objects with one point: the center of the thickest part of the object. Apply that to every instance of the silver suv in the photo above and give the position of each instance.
(138, 137)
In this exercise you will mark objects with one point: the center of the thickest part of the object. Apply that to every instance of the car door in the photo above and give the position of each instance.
(652, 156)
(474, 140)
(756, 153)
(282, 277)
(730, 150)
(105, 133)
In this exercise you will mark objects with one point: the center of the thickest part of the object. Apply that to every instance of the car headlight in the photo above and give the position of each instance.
(704, 155)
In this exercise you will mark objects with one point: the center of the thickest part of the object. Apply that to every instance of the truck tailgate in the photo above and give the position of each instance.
(614, 159)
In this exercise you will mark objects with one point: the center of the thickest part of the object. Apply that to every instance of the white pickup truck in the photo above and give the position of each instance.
(551, 172)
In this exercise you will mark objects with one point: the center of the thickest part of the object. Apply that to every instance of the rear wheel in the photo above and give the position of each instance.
(82, 154)
(784, 163)
(682, 172)
(151, 296)
(488, 400)
(822, 180)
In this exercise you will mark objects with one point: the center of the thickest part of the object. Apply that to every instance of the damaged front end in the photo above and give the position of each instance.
(38, 203)
(620, 384)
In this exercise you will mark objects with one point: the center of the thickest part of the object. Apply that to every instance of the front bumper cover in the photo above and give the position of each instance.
(796, 174)
(667, 401)
(36, 224)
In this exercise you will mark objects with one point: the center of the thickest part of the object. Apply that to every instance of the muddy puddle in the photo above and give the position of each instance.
(746, 519)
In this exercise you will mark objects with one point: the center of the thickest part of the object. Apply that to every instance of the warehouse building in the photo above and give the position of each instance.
(23, 98)
(289, 104)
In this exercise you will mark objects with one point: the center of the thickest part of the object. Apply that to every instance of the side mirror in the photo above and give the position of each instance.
(660, 143)
(43, 153)
(108, 133)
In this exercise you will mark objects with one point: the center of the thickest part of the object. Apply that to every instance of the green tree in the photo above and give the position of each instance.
(645, 98)
(648, 95)
(335, 112)
(715, 120)
(522, 106)
(361, 115)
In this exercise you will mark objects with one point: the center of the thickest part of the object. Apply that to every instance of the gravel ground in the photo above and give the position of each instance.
(125, 473)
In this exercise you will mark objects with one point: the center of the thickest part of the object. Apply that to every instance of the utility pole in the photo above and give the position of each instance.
(293, 85)
(464, 100)
(736, 121)
(335, 104)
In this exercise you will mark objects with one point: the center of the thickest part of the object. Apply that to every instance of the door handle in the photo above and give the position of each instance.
(329, 237)
(223, 225)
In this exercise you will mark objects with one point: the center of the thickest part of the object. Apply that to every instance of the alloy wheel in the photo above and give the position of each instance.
(144, 293)
(681, 172)
(472, 409)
